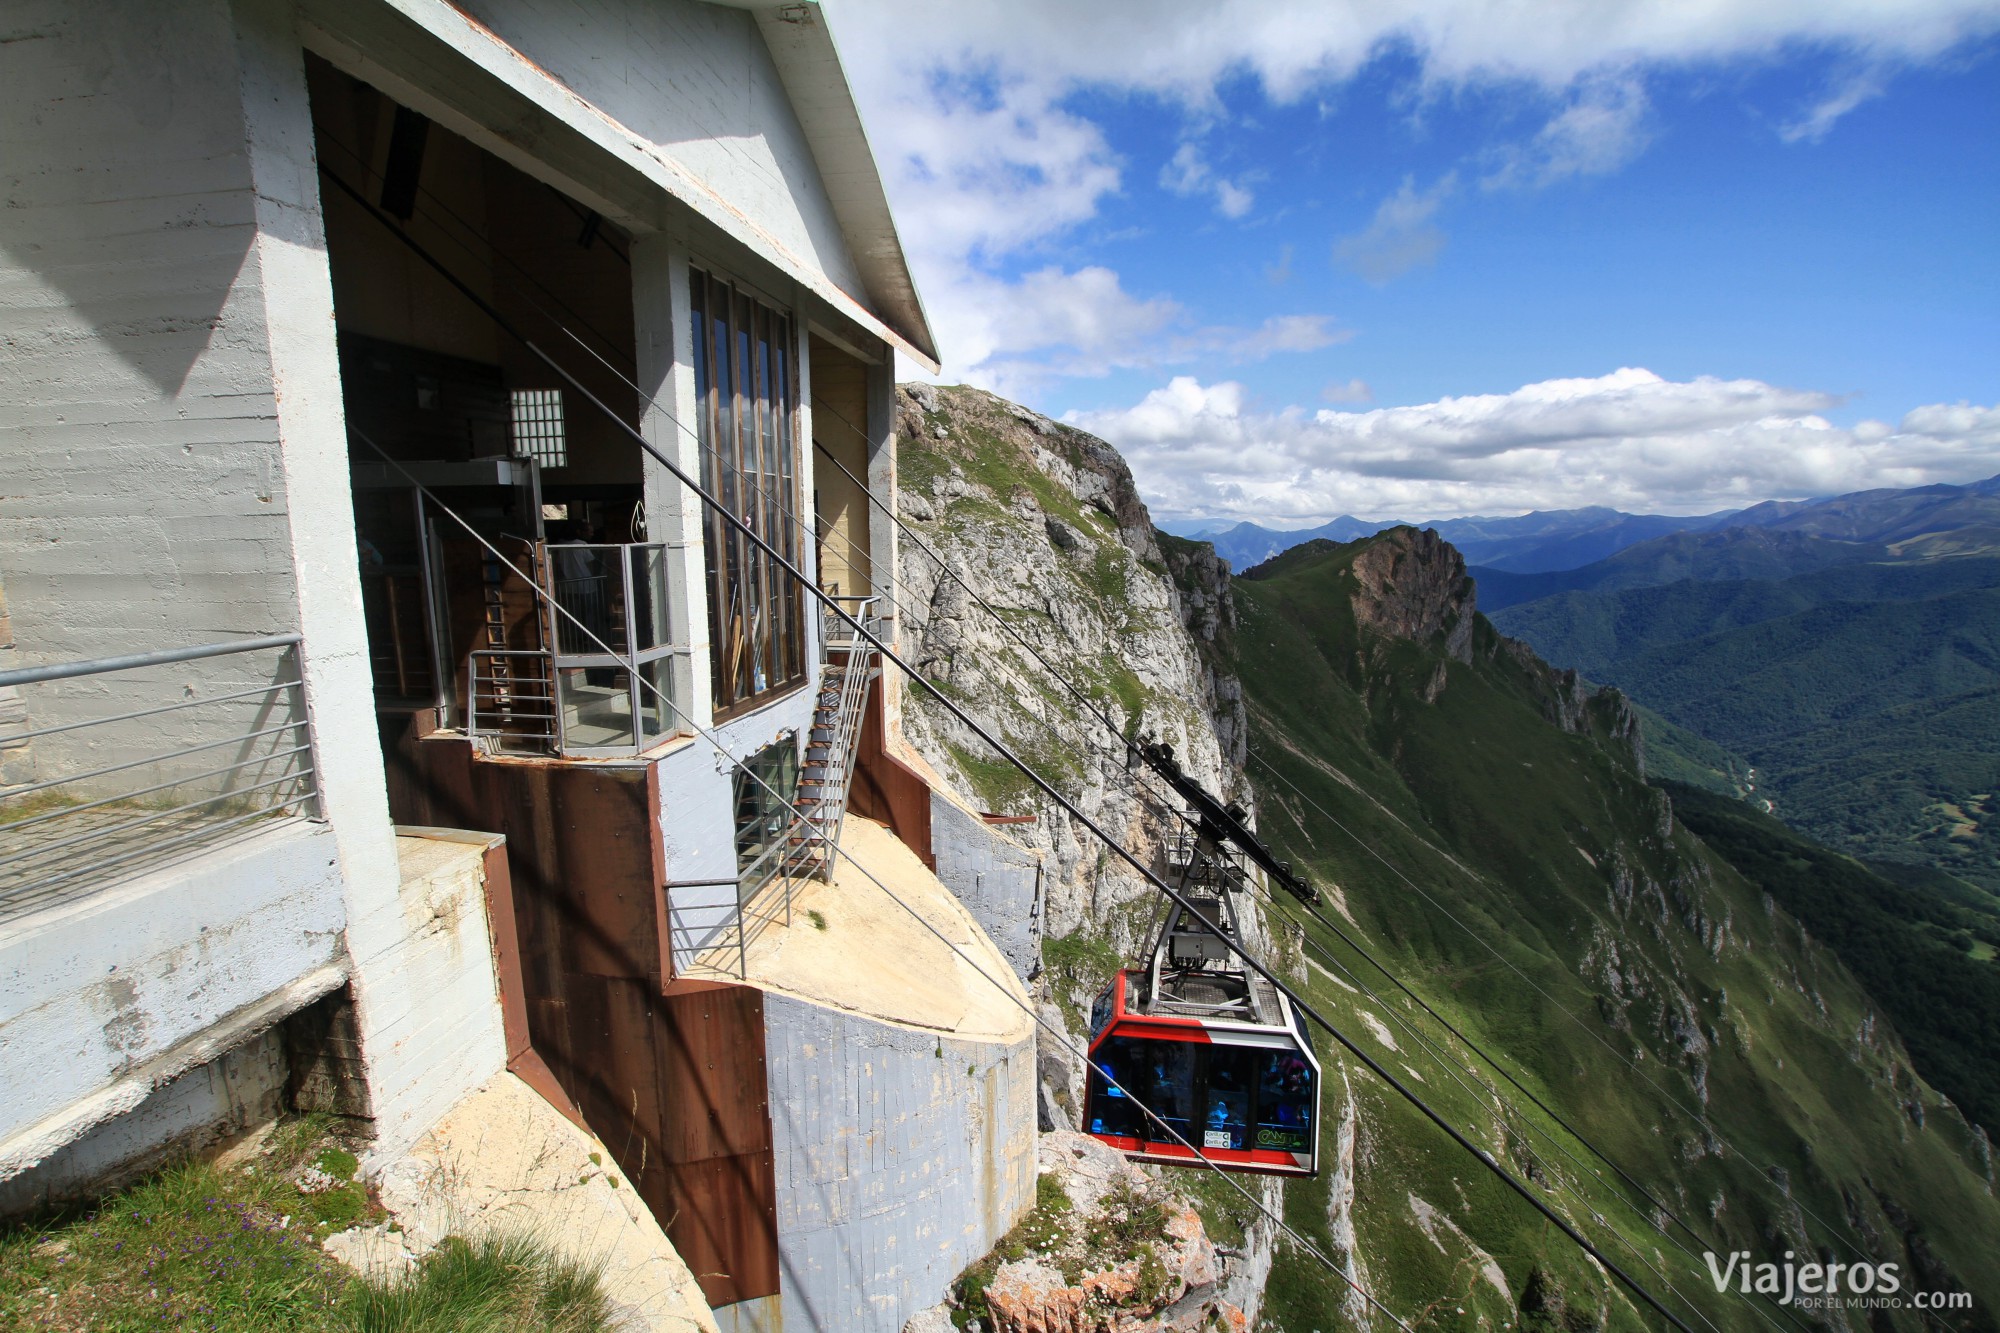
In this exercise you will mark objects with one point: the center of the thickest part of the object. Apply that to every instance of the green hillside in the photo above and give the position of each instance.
(1591, 630)
(1730, 553)
(1916, 947)
(1486, 826)
(1866, 697)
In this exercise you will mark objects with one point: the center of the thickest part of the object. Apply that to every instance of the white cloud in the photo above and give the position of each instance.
(1401, 236)
(1187, 173)
(1628, 439)
(1849, 93)
(1352, 391)
(1183, 48)
(1055, 322)
(1600, 129)
(988, 161)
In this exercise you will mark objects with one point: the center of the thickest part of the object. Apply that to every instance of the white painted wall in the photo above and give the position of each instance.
(105, 999)
(429, 999)
(142, 501)
(697, 81)
(427, 1005)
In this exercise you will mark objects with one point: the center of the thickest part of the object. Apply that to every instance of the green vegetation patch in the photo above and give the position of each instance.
(1911, 945)
(997, 783)
(238, 1249)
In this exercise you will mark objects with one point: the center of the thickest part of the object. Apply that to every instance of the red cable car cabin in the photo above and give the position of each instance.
(1221, 1057)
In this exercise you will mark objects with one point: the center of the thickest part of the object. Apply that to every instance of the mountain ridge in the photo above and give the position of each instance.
(1415, 762)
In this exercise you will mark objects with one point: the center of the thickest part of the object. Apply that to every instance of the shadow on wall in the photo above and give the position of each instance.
(671, 1079)
(133, 203)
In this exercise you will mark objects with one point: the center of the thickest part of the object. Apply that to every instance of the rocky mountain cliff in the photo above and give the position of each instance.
(1482, 824)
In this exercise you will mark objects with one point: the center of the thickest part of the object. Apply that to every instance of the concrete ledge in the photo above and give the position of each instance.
(23, 1150)
(104, 998)
(870, 956)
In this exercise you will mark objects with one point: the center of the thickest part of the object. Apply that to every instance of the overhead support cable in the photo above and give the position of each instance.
(788, 805)
(865, 635)
(1307, 896)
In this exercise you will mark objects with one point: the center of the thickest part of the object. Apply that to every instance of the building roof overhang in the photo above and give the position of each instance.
(434, 58)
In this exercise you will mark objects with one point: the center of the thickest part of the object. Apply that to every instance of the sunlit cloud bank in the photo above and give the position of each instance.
(1629, 439)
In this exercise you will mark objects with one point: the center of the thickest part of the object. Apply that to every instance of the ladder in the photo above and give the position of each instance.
(847, 666)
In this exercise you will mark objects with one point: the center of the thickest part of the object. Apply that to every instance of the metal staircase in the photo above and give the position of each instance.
(807, 845)
(846, 668)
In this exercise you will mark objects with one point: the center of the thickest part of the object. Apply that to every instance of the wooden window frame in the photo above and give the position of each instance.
(746, 382)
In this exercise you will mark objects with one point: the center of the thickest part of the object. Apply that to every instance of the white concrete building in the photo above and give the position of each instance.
(361, 666)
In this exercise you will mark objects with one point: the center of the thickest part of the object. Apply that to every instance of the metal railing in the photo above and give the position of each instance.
(93, 790)
(607, 611)
(805, 839)
(510, 700)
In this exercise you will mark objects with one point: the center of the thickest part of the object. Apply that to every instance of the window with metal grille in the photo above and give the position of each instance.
(743, 354)
(538, 426)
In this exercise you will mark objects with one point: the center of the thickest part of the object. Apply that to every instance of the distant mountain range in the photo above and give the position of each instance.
(1841, 658)
(1544, 540)
(1924, 521)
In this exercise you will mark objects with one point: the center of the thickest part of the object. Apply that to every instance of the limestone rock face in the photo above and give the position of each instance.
(1044, 523)
(1077, 1285)
(1412, 585)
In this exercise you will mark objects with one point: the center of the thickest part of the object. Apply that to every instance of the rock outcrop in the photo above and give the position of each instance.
(1411, 584)
(1045, 525)
(1125, 1256)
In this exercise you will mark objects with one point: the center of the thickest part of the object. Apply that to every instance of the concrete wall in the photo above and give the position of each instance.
(208, 1103)
(144, 499)
(170, 382)
(431, 1022)
(998, 880)
(902, 1157)
(697, 81)
(104, 1001)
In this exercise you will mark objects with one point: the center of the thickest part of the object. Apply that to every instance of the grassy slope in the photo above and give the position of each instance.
(1732, 553)
(1869, 696)
(238, 1249)
(1548, 845)
(1909, 943)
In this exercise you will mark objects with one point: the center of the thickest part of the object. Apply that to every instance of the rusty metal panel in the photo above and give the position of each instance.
(722, 1190)
(725, 1225)
(669, 1074)
(888, 789)
(713, 1074)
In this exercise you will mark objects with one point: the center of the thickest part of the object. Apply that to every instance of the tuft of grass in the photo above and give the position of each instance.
(997, 783)
(493, 1285)
(193, 1245)
(817, 918)
(237, 1249)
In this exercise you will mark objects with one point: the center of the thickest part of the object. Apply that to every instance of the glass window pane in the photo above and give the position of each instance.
(596, 707)
(745, 376)
(589, 590)
(1284, 1102)
(1225, 1111)
(657, 718)
(648, 620)
(1111, 1110)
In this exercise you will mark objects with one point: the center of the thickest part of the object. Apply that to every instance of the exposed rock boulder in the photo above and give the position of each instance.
(1124, 1255)
(1411, 584)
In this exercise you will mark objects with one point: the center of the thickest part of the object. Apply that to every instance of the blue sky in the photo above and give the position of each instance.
(1299, 261)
